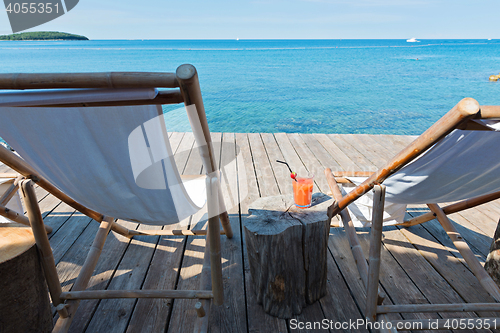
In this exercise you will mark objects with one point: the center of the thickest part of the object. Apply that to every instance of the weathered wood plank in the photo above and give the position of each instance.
(71, 263)
(341, 253)
(183, 151)
(112, 315)
(384, 151)
(482, 219)
(310, 161)
(320, 152)
(367, 149)
(281, 172)
(67, 234)
(183, 311)
(343, 160)
(293, 158)
(175, 139)
(290, 155)
(476, 239)
(258, 320)
(263, 169)
(350, 150)
(447, 265)
(151, 315)
(433, 286)
(392, 143)
(396, 282)
(193, 167)
(338, 305)
(231, 316)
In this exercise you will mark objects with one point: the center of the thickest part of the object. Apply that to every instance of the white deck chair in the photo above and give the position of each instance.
(455, 159)
(100, 144)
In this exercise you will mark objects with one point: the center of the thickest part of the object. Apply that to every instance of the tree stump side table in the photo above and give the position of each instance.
(24, 304)
(287, 251)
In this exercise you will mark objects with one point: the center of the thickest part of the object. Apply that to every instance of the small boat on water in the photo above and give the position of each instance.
(412, 40)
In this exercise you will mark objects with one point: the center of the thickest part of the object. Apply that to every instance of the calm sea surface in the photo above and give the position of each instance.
(307, 86)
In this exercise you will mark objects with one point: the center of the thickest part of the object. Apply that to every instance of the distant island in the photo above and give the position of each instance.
(43, 35)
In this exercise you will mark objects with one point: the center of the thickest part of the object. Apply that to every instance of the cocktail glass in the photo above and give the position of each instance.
(302, 191)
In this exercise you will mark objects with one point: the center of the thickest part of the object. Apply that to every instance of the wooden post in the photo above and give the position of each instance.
(200, 311)
(352, 237)
(214, 237)
(374, 256)
(42, 241)
(201, 323)
(486, 281)
(190, 89)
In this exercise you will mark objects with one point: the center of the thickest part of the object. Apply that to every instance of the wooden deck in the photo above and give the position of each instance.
(420, 264)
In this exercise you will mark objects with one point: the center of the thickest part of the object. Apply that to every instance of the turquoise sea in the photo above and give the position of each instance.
(307, 86)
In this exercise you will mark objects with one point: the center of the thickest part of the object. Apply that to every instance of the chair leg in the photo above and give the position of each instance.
(474, 264)
(42, 243)
(213, 240)
(374, 256)
(201, 323)
(63, 324)
(352, 237)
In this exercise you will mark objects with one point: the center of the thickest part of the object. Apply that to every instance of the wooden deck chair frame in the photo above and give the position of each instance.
(185, 89)
(463, 116)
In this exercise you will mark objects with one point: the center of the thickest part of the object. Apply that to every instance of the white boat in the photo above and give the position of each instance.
(412, 40)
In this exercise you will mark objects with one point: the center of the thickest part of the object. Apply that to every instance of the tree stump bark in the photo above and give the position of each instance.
(24, 305)
(287, 251)
(492, 264)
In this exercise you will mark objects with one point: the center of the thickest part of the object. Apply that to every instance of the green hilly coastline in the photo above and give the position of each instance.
(43, 35)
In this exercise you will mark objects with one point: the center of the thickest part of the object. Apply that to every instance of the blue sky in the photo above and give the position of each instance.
(261, 19)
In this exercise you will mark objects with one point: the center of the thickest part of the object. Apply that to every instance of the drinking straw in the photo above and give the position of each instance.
(287, 166)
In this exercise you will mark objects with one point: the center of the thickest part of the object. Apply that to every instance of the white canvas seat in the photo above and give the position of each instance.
(464, 164)
(98, 148)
